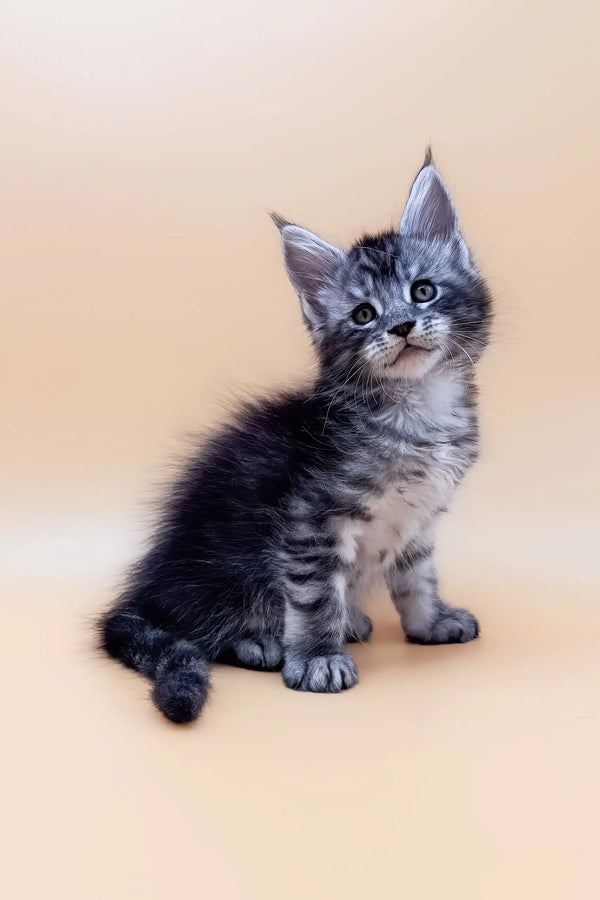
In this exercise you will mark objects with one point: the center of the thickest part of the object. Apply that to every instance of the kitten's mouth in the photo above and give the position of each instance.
(409, 351)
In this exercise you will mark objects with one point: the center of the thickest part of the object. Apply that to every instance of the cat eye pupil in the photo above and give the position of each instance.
(363, 314)
(422, 291)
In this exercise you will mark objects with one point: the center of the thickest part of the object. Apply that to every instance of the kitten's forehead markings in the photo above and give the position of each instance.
(357, 294)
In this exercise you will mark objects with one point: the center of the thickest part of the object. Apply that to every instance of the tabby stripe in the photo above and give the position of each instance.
(410, 557)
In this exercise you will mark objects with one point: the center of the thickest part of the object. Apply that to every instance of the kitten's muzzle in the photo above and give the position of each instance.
(408, 350)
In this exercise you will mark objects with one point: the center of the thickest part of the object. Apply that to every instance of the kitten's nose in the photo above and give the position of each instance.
(402, 330)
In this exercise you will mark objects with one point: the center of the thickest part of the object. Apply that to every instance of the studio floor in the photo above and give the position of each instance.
(460, 771)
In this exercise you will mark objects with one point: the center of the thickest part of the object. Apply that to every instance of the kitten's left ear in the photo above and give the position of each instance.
(430, 211)
(312, 265)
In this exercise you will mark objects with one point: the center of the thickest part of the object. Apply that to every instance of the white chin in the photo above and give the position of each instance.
(413, 363)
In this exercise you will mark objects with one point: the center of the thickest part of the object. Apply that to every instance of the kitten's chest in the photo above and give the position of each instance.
(419, 468)
(409, 502)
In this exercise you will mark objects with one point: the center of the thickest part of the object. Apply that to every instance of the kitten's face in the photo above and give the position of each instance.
(398, 305)
(402, 305)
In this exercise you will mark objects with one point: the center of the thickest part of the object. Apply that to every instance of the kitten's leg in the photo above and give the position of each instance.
(426, 619)
(359, 625)
(315, 628)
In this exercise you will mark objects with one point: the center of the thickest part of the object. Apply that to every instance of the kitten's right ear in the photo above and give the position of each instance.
(312, 265)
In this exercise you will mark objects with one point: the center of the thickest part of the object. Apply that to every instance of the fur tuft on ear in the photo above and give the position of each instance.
(279, 221)
(428, 161)
(430, 211)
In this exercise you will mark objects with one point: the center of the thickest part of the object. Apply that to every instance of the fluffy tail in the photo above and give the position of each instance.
(177, 667)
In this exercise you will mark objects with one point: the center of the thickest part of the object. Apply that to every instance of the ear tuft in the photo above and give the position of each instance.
(279, 221)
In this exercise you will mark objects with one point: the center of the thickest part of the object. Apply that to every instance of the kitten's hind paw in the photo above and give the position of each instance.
(451, 625)
(321, 674)
(263, 653)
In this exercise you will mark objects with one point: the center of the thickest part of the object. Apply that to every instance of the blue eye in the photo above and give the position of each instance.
(363, 314)
(422, 291)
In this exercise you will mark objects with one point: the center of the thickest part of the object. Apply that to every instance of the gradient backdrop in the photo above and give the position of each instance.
(142, 288)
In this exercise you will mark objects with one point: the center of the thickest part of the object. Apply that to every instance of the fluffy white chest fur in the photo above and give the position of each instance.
(403, 512)
(421, 483)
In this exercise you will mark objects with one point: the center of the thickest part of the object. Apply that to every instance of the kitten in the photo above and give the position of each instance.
(278, 527)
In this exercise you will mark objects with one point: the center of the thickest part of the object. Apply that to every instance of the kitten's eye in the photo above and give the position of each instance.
(422, 291)
(363, 314)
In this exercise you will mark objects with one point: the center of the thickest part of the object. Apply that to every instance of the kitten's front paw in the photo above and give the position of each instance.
(450, 626)
(321, 674)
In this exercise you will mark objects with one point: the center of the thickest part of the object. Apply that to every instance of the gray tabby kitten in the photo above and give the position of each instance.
(283, 521)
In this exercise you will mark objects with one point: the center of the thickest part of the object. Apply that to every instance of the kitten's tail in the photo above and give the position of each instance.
(177, 667)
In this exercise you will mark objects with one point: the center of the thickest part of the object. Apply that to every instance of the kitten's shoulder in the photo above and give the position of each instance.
(279, 412)
(266, 425)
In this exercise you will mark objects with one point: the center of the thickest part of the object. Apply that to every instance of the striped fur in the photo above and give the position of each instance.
(282, 521)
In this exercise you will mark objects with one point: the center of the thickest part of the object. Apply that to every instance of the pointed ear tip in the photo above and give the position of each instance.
(428, 161)
(279, 221)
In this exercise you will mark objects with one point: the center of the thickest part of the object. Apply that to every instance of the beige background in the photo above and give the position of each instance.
(142, 143)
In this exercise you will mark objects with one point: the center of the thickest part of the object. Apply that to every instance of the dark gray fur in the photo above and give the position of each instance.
(279, 525)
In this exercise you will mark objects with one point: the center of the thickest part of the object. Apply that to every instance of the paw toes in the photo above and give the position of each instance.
(451, 626)
(272, 653)
(250, 653)
(321, 674)
(264, 653)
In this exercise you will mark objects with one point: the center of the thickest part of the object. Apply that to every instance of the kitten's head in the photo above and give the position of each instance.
(397, 305)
